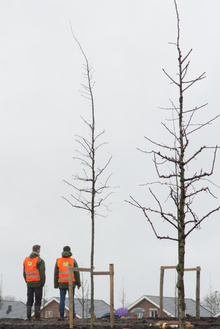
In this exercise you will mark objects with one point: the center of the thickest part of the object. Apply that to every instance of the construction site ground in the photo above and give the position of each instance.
(203, 323)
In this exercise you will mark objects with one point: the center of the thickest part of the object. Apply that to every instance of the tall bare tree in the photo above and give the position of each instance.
(83, 296)
(123, 295)
(212, 301)
(91, 187)
(175, 167)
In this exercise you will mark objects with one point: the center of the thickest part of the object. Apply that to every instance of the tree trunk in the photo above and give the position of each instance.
(92, 267)
(182, 198)
(180, 284)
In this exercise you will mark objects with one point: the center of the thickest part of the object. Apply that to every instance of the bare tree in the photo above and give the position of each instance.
(9, 298)
(123, 295)
(212, 301)
(175, 167)
(83, 297)
(91, 187)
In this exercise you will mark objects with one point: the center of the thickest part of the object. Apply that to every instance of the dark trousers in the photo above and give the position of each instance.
(34, 292)
(62, 301)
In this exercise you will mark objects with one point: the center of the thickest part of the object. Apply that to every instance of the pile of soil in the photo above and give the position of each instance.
(203, 323)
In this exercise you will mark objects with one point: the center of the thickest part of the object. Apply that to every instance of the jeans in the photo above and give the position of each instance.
(62, 301)
(31, 292)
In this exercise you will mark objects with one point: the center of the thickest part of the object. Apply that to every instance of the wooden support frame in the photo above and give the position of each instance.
(197, 269)
(80, 269)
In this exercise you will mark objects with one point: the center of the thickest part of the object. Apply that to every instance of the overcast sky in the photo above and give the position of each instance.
(127, 43)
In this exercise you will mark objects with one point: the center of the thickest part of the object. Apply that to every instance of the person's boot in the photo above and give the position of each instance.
(28, 313)
(37, 313)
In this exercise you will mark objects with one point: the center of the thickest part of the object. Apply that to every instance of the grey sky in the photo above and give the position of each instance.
(40, 102)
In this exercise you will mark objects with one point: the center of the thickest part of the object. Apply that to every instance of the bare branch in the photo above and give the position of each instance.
(202, 219)
(170, 78)
(197, 108)
(195, 154)
(190, 83)
(183, 60)
(157, 144)
(144, 210)
(203, 125)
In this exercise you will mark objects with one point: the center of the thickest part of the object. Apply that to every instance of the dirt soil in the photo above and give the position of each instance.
(204, 323)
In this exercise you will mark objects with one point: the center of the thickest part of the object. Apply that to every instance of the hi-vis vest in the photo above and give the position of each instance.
(31, 270)
(62, 264)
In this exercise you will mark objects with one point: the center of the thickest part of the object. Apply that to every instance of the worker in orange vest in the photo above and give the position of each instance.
(61, 278)
(34, 275)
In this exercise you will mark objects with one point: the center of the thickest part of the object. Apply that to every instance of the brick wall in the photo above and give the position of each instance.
(147, 306)
(54, 308)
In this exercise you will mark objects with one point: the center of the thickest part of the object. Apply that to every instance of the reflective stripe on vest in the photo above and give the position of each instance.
(62, 264)
(31, 270)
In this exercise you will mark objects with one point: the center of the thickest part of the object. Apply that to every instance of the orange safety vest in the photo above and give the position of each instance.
(62, 264)
(31, 270)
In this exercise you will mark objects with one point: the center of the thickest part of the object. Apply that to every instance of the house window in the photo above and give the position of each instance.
(153, 312)
(49, 314)
(139, 315)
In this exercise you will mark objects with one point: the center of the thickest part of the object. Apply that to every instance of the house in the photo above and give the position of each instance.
(51, 308)
(151, 306)
(12, 309)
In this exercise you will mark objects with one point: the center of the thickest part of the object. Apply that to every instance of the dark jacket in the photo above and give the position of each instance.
(65, 285)
(41, 268)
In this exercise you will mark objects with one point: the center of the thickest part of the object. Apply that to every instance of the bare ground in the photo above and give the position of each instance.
(204, 323)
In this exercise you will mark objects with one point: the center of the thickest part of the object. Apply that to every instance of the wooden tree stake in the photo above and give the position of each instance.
(70, 296)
